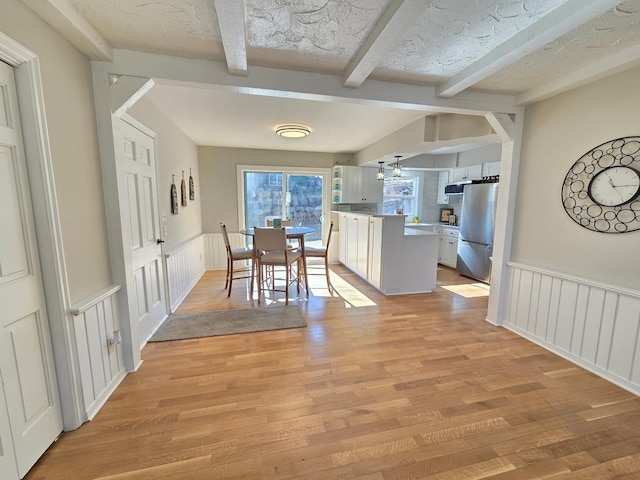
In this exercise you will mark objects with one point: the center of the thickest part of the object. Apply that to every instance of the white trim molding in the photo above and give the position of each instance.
(593, 325)
(47, 220)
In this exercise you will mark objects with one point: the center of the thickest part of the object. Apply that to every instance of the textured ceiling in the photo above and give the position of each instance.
(594, 41)
(452, 45)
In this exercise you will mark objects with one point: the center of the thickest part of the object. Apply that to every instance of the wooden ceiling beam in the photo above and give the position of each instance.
(557, 23)
(393, 23)
(64, 18)
(232, 29)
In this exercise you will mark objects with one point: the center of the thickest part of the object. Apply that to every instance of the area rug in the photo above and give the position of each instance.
(228, 322)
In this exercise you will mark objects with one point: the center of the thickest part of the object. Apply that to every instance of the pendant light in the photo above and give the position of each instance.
(380, 173)
(397, 168)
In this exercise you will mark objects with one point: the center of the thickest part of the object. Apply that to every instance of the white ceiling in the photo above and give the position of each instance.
(530, 49)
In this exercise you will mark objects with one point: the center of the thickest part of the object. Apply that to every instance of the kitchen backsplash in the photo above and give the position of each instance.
(431, 209)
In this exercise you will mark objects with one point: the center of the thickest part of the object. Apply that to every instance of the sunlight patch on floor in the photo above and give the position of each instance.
(352, 296)
(471, 290)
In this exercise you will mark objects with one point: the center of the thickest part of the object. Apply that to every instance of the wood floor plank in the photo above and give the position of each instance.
(374, 388)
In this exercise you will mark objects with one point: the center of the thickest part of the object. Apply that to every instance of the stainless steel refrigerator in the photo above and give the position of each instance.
(475, 243)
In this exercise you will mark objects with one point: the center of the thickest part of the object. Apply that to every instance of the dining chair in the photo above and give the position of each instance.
(284, 222)
(236, 255)
(321, 252)
(272, 251)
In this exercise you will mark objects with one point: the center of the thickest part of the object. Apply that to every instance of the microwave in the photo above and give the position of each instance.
(455, 188)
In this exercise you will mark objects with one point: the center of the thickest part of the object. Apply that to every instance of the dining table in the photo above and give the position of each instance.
(292, 233)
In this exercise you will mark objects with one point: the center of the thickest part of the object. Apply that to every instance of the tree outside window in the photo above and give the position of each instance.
(400, 196)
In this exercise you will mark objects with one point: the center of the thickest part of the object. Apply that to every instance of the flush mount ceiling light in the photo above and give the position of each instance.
(380, 173)
(397, 168)
(293, 131)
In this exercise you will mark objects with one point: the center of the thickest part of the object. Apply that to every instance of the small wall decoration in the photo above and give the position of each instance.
(183, 191)
(444, 214)
(174, 196)
(192, 188)
(601, 191)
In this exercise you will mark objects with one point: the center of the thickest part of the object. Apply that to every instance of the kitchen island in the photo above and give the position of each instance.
(394, 259)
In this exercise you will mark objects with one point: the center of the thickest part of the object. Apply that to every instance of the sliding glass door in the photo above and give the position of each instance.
(296, 196)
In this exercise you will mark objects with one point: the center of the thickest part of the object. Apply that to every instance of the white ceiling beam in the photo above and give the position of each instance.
(126, 91)
(394, 22)
(557, 23)
(232, 29)
(609, 65)
(76, 29)
(275, 82)
(502, 124)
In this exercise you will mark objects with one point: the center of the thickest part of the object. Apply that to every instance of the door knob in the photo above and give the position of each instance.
(158, 241)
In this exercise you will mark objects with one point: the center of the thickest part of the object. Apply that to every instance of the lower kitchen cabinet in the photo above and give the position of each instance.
(354, 242)
(448, 251)
(374, 275)
(379, 250)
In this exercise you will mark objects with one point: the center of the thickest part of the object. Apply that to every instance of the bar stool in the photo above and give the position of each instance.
(236, 255)
(321, 252)
(272, 251)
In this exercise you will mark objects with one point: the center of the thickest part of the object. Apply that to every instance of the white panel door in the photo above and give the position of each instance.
(142, 233)
(26, 357)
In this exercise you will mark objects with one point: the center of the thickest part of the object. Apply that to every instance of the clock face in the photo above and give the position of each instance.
(601, 191)
(615, 186)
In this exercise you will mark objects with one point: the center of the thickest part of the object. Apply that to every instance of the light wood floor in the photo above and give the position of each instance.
(375, 388)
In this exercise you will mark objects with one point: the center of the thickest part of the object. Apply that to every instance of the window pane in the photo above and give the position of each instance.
(400, 196)
(404, 206)
(304, 203)
(399, 186)
(262, 197)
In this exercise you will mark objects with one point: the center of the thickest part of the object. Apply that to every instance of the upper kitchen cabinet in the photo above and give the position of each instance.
(461, 174)
(490, 169)
(355, 185)
(443, 179)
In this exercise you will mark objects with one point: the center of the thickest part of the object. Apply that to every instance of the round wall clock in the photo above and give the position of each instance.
(601, 191)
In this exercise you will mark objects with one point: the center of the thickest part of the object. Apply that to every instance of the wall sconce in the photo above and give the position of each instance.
(380, 173)
(397, 168)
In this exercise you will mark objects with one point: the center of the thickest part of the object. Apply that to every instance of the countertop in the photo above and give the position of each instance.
(418, 225)
(412, 232)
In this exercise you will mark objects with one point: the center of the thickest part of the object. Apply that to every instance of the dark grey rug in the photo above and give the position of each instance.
(228, 322)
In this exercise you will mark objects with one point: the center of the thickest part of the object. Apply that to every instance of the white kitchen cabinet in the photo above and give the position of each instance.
(448, 251)
(362, 255)
(443, 179)
(397, 259)
(355, 185)
(342, 240)
(375, 252)
(354, 242)
(490, 169)
(461, 174)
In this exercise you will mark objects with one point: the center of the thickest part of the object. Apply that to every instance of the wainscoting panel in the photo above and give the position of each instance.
(185, 266)
(100, 359)
(216, 252)
(596, 326)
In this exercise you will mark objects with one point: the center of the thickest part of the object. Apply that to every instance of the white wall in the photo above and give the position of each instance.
(485, 154)
(557, 132)
(218, 177)
(574, 291)
(176, 153)
(68, 97)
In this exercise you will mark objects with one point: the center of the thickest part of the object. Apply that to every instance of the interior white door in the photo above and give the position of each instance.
(26, 356)
(142, 234)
